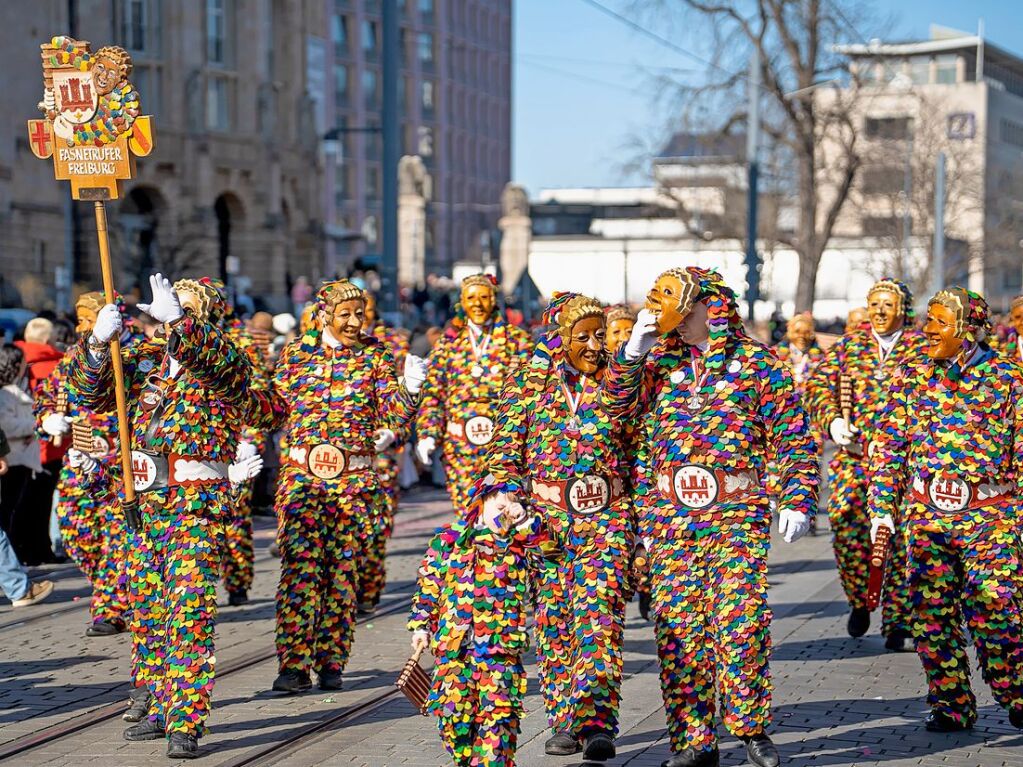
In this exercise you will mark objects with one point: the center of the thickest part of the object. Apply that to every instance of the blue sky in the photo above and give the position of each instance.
(583, 81)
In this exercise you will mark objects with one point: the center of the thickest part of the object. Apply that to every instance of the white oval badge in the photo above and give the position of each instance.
(479, 430)
(949, 494)
(143, 470)
(695, 486)
(326, 461)
(589, 494)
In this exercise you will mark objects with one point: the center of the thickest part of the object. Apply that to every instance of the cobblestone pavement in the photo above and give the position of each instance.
(837, 701)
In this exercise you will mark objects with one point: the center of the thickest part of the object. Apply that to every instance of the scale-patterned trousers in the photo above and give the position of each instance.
(462, 463)
(239, 552)
(371, 573)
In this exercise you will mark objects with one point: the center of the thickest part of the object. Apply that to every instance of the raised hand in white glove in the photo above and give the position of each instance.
(842, 432)
(792, 525)
(76, 459)
(424, 450)
(56, 424)
(420, 641)
(245, 450)
(245, 469)
(415, 373)
(165, 306)
(383, 439)
(876, 523)
(644, 336)
(108, 324)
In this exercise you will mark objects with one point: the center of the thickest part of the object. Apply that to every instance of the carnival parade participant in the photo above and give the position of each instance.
(620, 320)
(469, 609)
(864, 360)
(950, 447)
(339, 389)
(800, 350)
(371, 572)
(714, 406)
(90, 519)
(556, 448)
(468, 366)
(1013, 345)
(185, 389)
(858, 316)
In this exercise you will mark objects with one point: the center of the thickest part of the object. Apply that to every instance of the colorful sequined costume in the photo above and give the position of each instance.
(950, 446)
(471, 599)
(182, 439)
(860, 357)
(371, 572)
(570, 465)
(327, 491)
(460, 397)
(704, 514)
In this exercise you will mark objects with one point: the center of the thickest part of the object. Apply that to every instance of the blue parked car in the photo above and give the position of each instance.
(13, 320)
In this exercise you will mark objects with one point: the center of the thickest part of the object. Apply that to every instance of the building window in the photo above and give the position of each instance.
(882, 180)
(340, 85)
(426, 99)
(898, 128)
(339, 34)
(369, 38)
(947, 69)
(370, 89)
(1010, 132)
(373, 182)
(218, 104)
(426, 11)
(884, 226)
(139, 19)
(425, 49)
(920, 70)
(218, 32)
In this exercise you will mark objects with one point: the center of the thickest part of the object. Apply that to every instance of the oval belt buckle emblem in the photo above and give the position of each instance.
(589, 494)
(326, 461)
(479, 430)
(695, 486)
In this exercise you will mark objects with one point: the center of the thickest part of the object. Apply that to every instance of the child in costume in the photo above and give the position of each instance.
(866, 357)
(470, 609)
(949, 458)
(468, 366)
(713, 406)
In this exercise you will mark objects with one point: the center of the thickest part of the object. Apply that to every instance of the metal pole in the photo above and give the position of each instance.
(129, 504)
(390, 125)
(625, 270)
(938, 251)
(753, 174)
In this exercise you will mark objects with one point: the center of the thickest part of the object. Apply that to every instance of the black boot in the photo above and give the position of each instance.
(561, 744)
(938, 721)
(330, 680)
(1016, 718)
(644, 605)
(181, 745)
(147, 729)
(366, 608)
(693, 758)
(104, 628)
(859, 621)
(138, 705)
(896, 641)
(760, 751)
(292, 682)
(600, 747)
(238, 597)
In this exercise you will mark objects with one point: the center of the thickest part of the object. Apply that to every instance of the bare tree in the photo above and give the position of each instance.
(814, 137)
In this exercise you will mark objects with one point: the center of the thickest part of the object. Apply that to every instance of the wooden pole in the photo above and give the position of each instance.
(130, 505)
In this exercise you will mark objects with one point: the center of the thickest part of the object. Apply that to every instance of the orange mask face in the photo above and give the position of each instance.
(1016, 319)
(618, 332)
(885, 311)
(670, 301)
(478, 301)
(346, 321)
(856, 318)
(371, 313)
(943, 342)
(585, 344)
(801, 333)
(86, 319)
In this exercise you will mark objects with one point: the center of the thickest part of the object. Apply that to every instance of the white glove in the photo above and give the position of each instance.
(842, 432)
(792, 525)
(245, 469)
(383, 439)
(644, 336)
(56, 424)
(420, 641)
(415, 373)
(245, 450)
(424, 450)
(76, 459)
(108, 324)
(876, 523)
(165, 306)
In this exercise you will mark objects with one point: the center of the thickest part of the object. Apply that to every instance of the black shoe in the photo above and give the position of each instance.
(937, 721)
(104, 628)
(366, 608)
(138, 706)
(692, 758)
(330, 680)
(760, 751)
(599, 747)
(181, 745)
(292, 682)
(147, 729)
(1016, 718)
(644, 605)
(896, 641)
(561, 744)
(238, 597)
(859, 622)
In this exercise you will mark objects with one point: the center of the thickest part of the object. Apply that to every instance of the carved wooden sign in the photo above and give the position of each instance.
(92, 128)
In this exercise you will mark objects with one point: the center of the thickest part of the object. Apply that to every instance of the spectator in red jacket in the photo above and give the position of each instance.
(40, 356)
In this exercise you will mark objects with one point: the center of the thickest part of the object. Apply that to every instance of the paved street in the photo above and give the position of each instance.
(838, 701)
